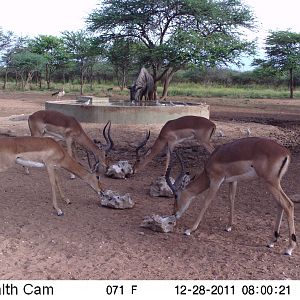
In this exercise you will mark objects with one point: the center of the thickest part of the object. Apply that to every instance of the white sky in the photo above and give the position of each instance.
(275, 15)
(34, 17)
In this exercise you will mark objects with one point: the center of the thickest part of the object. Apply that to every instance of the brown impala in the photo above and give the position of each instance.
(243, 159)
(67, 128)
(44, 152)
(173, 133)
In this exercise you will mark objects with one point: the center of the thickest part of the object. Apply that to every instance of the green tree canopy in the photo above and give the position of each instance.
(175, 33)
(282, 54)
(82, 49)
(25, 64)
(51, 48)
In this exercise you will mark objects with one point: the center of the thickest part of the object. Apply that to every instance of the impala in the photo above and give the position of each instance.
(44, 152)
(175, 132)
(65, 127)
(243, 159)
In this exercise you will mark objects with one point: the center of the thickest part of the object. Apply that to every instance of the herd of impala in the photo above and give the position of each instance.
(243, 159)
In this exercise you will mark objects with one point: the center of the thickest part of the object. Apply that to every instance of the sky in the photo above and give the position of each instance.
(34, 17)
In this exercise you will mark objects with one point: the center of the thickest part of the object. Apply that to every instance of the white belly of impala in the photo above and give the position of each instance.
(29, 163)
(251, 174)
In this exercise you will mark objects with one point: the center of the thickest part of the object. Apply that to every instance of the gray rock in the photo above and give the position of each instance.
(159, 223)
(160, 188)
(113, 200)
(120, 170)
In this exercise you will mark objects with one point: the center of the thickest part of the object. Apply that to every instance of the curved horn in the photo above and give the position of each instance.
(142, 144)
(109, 142)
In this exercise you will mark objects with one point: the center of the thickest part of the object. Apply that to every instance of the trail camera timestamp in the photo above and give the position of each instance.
(238, 290)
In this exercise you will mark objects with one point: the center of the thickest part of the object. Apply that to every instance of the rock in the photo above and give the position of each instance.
(160, 188)
(113, 200)
(159, 223)
(120, 170)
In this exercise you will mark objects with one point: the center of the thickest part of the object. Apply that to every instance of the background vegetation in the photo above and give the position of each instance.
(193, 44)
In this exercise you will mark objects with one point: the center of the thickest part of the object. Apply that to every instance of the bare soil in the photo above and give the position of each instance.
(93, 242)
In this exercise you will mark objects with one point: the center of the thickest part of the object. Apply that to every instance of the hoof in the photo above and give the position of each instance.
(271, 245)
(60, 213)
(72, 176)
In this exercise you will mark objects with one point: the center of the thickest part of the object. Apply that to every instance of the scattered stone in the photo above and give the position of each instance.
(112, 199)
(21, 117)
(120, 170)
(160, 188)
(159, 223)
(295, 198)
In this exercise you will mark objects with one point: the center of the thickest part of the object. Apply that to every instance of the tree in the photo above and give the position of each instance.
(5, 39)
(51, 48)
(121, 54)
(175, 33)
(282, 54)
(25, 64)
(13, 45)
(82, 49)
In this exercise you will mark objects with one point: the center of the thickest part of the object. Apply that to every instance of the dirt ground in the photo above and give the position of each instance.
(93, 242)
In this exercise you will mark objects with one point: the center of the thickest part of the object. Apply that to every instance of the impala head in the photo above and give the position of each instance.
(139, 160)
(105, 148)
(177, 186)
(94, 180)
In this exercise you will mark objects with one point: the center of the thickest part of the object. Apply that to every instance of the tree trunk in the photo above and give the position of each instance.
(91, 77)
(123, 84)
(81, 78)
(167, 81)
(47, 75)
(5, 79)
(291, 83)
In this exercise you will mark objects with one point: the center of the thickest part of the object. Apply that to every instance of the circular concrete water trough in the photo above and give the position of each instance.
(100, 110)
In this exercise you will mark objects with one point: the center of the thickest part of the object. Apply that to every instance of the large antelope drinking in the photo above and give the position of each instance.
(67, 128)
(44, 152)
(243, 159)
(173, 133)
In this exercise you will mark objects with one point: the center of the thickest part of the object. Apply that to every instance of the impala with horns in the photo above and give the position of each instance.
(243, 159)
(61, 126)
(173, 133)
(44, 152)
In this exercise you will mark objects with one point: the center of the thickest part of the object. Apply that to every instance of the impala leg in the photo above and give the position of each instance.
(67, 200)
(277, 226)
(52, 178)
(170, 148)
(214, 187)
(288, 207)
(232, 194)
(69, 142)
